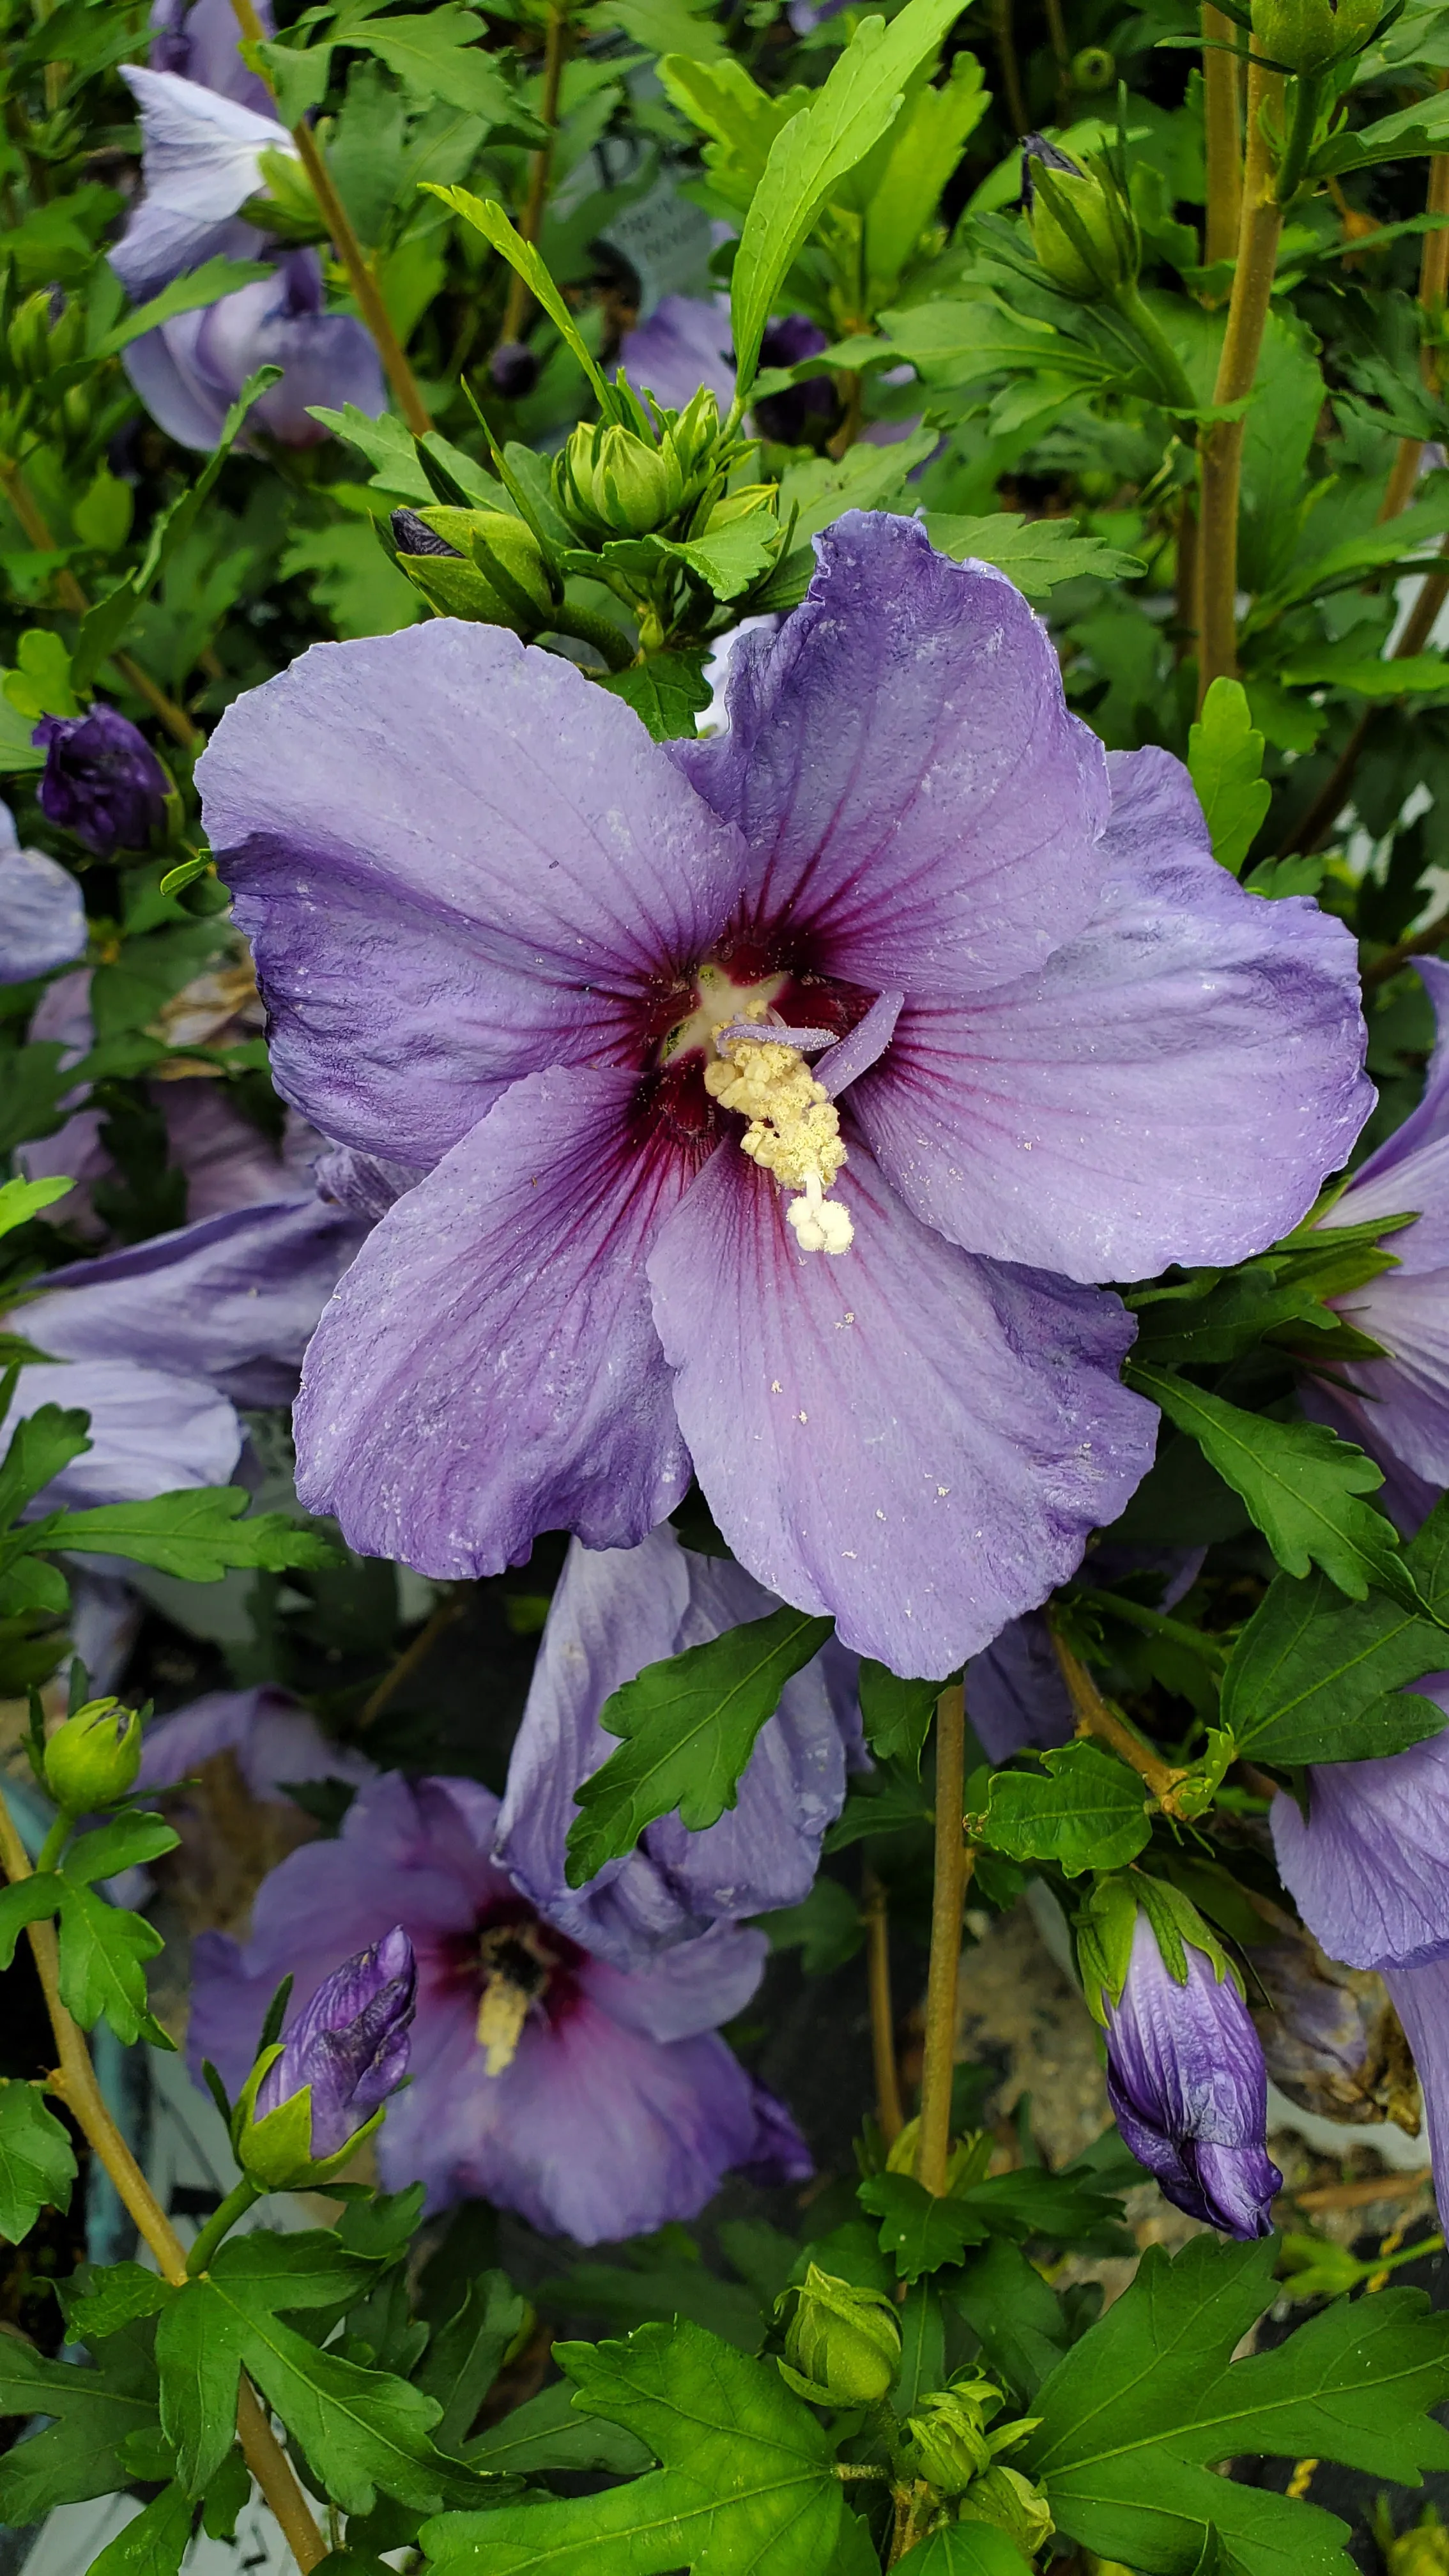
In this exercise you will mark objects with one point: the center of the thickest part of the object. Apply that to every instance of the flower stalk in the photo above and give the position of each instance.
(1222, 136)
(361, 276)
(1094, 1717)
(953, 1869)
(73, 2082)
(890, 2112)
(1259, 233)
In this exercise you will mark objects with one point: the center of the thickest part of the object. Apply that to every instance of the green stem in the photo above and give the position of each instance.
(616, 649)
(1172, 375)
(1306, 96)
(242, 2196)
(1222, 137)
(515, 311)
(953, 1868)
(1222, 447)
(54, 1843)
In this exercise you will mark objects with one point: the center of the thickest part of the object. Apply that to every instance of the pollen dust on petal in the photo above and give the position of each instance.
(793, 1131)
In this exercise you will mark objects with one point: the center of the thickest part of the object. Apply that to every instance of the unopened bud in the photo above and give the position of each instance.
(28, 338)
(843, 2344)
(948, 2435)
(1424, 2551)
(1082, 229)
(1309, 36)
(1003, 2496)
(612, 483)
(1093, 68)
(92, 1760)
(309, 2102)
(286, 204)
(479, 564)
(513, 370)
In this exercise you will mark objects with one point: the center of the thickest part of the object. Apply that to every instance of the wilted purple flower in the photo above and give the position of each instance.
(1331, 2040)
(101, 780)
(1189, 2090)
(503, 933)
(596, 2103)
(201, 160)
(349, 2044)
(42, 910)
(190, 371)
(201, 39)
(1368, 1867)
(1398, 1408)
(616, 1610)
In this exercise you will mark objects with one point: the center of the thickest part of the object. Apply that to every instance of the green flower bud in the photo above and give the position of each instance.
(1005, 2497)
(479, 564)
(92, 1760)
(1309, 36)
(28, 338)
(612, 483)
(1424, 2551)
(948, 2435)
(695, 433)
(286, 204)
(1083, 230)
(842, 2345)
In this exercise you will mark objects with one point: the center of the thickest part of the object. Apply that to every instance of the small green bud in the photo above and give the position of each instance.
(741, 504)
(695, 433)
(28, 338)
(612, 483)
(92, 1760)
(948, 2435)
(1005, 2497)
(479, 564)
(1309, 36)
(843, 2344)
(1083, 230)
(1093, 68)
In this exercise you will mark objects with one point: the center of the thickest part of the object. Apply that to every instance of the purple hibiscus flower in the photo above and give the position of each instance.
(1420, 1997)
(200, 40)
(1368, 1866)
(190, 371)
(349, 2046)
(42, 911)
(615, 1611)
(1398, 1408)
(598, 2104)
(102, 781)
(1189, 2089)
(503, 934)
(201, 160)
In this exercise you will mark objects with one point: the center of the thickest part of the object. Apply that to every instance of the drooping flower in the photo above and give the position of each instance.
(1188, 2087)
(201, 40)
(616, 1610)
(1368, 1867)
(1331, 2040)
(42, 910)
(201, 160)
(598, 2104)
(1398, 1408)
(503, 934)
(349, 2046)
(190, 371)
(101, 781)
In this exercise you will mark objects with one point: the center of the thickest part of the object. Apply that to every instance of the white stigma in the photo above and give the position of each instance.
(793, 1131)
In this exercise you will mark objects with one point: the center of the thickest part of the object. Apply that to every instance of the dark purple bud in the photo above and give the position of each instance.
(102, 781)
(412, 536)
(1188, 2086)
(1035, 147)
(787, 416)
(513, 370)
(350, 2043)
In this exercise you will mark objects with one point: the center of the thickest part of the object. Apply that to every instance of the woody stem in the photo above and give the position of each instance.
(74, 2083)
(953, 1868)
(1094, 1717)
(889, 2111)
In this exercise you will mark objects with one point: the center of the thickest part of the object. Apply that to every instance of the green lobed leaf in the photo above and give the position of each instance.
(1135, 2416)
(666, 693)
(21, 1200)
(37, 2163)
(546, 2433)
(1315, 1678)
(155, 2543)
(123, 1842)
(466, 2355)
(1089, 1812)
(101, 2298)
(919, 2231)
(40, 1446)
(96, 2407)
(814, 152)
(896, 1714)
(964, 2549)
(29, 1900)
(1424, 127)
(1019, 2319)
(103, 1954)
(1225, 756)
(747, 2485)
(1037, 554)
(815, 493)
(689, 1726)
(438, 55)
(198, 1534)
(1300, 1482)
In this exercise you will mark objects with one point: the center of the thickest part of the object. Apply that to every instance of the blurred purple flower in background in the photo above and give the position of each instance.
(1189, 2090)
(616, 1610)
(504, 934)
(1398, 1408)
(686, 343)
(201, 39)
(201, 160)
(42, 910)
(190, 371)
(349, 2044)
(597, 2104)
(101, 781)
(273, 1739)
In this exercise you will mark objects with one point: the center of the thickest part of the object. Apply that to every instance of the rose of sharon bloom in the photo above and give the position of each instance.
(1368, 1867)
(190, 371)
(615, 1611)
(1189, 2090)
(200, 161)
(201, 40)
(1398, 1408)
(42, 910)
(598, 2104)
(584, 976)
(101, 781)
(349, 2045)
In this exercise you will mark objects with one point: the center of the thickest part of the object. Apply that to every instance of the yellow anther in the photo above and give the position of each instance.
(515, 1974)
(794, 1132)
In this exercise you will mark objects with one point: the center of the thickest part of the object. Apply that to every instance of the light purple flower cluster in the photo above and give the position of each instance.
(576, 978)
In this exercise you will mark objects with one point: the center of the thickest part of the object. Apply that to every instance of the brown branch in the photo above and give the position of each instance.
(889, 2111)
(954, 1864)
(1094, 1717)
